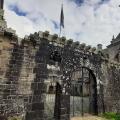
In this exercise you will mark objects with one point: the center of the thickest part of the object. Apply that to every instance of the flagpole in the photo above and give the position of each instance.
(61, 20)
(60, 31)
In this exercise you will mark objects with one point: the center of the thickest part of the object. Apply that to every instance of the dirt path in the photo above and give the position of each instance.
(88, 118)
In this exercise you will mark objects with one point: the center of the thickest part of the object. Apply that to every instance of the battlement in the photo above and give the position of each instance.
(10, 34)
(62, 42)
(58, 41)
(52, 39)
(36, 39)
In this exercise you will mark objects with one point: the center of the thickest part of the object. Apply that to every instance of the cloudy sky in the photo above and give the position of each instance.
(88, 21)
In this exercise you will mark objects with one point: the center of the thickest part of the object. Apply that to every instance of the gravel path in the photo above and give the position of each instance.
(88, 118)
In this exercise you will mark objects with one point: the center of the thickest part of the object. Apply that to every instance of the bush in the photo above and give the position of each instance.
(112, 116)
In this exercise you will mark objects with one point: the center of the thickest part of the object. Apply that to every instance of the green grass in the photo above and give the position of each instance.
(112, 116)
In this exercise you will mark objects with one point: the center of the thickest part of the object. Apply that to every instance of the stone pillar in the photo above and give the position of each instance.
(35, 110)
(62, 105)
(57, 102)
(93, 95)
(65, 107)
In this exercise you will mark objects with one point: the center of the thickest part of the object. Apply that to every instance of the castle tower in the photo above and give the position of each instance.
(2, 20)
(1, 4)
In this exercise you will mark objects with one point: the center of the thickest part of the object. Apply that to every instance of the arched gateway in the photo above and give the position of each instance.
(83, 93)
(39, 62)
(69, 60)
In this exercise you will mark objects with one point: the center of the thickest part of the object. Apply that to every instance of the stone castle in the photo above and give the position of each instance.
(28, 65)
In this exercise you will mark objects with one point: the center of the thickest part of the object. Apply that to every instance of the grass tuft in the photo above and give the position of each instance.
(112, 116)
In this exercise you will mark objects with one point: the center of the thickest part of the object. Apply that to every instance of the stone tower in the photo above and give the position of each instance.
(113, 50)
(1, 4)
(2, 20)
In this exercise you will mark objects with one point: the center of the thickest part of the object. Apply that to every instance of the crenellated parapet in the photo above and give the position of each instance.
(9, 34)
(36, 39)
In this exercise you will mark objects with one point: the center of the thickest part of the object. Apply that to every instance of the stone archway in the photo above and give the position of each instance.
(83, 92)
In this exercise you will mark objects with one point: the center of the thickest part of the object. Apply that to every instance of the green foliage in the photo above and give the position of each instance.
(112, 116)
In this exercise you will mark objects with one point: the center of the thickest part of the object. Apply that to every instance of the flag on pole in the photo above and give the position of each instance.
(62, 17)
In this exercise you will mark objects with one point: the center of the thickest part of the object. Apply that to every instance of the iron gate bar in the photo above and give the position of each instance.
(82, 94)
(73, 100)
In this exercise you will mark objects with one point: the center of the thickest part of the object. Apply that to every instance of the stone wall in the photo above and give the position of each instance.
(23, 73)
(6, 49)
(111, 79)
(112, 90)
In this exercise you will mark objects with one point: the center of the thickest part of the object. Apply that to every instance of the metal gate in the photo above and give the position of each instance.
(52, 91)
(50, 98)
(49, 106)
(83, 98)
(52, 103)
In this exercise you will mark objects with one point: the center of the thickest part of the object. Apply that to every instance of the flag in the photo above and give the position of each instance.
(62, 17)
